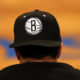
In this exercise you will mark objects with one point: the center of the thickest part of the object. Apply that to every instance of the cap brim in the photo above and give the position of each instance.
(44, 43)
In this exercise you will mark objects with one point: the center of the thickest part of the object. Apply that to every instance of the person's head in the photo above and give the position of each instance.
(37, 36)
(38, 53)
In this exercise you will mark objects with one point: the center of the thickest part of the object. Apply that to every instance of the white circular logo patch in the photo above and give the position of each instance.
(33, 26)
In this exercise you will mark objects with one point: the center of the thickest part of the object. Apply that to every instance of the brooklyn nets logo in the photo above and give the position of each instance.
(33, 26)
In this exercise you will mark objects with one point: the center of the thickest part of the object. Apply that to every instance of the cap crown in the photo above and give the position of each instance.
(36, 25)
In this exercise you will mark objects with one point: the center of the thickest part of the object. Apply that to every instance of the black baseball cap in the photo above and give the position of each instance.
(36, 28)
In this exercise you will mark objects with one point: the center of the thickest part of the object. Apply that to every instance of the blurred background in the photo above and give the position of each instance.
(67, 13)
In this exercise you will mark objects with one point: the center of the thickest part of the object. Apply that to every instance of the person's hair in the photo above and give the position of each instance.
(37, 51)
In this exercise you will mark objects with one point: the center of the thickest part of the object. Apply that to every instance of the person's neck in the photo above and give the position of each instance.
(45, 59)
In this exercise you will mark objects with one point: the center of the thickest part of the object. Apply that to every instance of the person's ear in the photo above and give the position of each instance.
(59, 52)
(17, 53)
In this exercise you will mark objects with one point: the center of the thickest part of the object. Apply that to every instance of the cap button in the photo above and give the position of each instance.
(36, 10)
